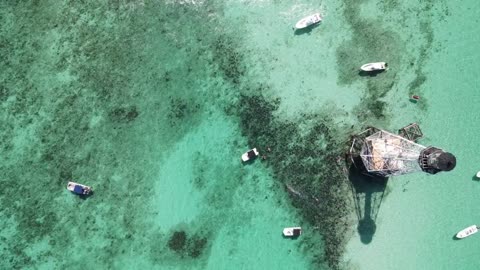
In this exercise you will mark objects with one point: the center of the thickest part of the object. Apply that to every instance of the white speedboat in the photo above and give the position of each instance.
(79, 189)
(478, 174)
(309, 20)
(374, 66)
(250, 154)
(467, 232)
(292, 231)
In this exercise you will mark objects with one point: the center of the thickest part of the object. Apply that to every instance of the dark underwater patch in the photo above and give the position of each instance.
(124, 114)
(59, 145)
(4, 92)
(370, 40)
(228, 58)
(197, 246)
(187, 246)
(178, 241)
(307, 164)
(181, 109)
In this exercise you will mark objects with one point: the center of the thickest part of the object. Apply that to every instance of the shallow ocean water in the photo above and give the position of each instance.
(152, 103)
(421, 214)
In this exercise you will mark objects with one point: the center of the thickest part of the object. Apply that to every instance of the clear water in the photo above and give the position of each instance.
(153, 102)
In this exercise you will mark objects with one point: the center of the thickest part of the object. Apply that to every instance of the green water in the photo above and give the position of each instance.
(152, 103)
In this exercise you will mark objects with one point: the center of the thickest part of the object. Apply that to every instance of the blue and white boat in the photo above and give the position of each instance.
(79, 189)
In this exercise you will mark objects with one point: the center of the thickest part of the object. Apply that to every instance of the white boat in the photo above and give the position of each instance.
(250, 154)
(292, 231)
(374, 66)
(309, 20)
(478, 174)
(79, 189)
(467, 232)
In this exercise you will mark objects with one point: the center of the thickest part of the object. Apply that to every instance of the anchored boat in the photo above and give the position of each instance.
(309, 20)
(467, 232)
(414, 98)
(79, 189)
(292, 231)
(377, 66)
(250, 155)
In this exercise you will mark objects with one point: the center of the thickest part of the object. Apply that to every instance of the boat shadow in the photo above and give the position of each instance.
(84, 197)
(368, 192)
(374, 73)
(307, 30)
(290, 237)
(249, 162)
(414, 101)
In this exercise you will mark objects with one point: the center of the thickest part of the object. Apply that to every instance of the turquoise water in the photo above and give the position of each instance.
(153, 103)
(421, 214)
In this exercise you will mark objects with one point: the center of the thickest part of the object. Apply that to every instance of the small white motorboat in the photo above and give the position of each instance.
(79, 189)
(292, 231)
(250, 154)
(467, 232)
(478, 174)
(309, 20)
(415, 98)
(374, 66)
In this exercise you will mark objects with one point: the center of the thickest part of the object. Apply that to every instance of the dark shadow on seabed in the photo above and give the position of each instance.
(84, 197)
(454, 237)
(370, 73)
(306, 30)
(290, 237)
(368, 192)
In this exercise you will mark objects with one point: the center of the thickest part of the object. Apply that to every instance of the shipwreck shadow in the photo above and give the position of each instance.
(368, 192)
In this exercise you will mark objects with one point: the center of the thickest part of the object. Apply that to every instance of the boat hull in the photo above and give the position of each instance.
(377, 66)
(467, 232)
(414, 98)
(250, 154)
(79, 189)
(292, 231)
(308, 21)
